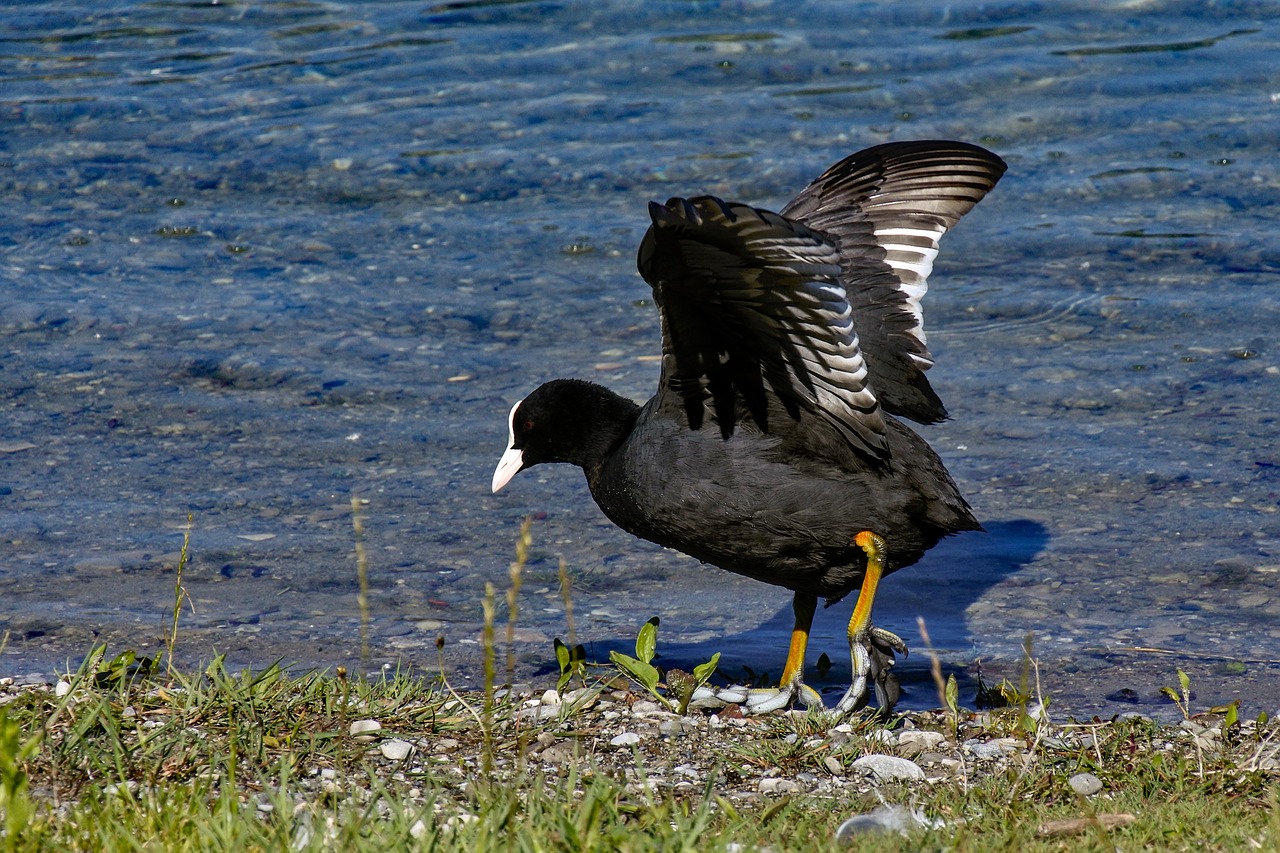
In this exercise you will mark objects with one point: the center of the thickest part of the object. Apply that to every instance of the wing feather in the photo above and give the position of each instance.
(886, 208)
(753, 312)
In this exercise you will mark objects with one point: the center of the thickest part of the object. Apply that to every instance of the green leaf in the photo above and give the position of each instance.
(953, 694)
(573, 661)
(1233, 715)
(647, 640)
(703, 671)
(640, 670)
(1171, 693)
(1184, 681)
(14, 799)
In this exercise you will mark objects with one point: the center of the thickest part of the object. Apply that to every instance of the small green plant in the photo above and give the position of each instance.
(641, 669)
(952, 694)
(572, 660)
(120, 672)
(1182, 696)
(1032, 706)
(1231, 719)
(682, 685)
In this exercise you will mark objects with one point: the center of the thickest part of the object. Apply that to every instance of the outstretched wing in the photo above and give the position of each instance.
(886, 208)
(753, 316)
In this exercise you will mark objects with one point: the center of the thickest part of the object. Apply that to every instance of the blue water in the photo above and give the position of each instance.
(259, 259)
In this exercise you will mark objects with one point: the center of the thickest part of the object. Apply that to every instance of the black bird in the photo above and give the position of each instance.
(789, 342)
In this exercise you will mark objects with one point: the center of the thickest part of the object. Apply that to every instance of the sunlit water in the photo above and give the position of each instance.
(257, 259)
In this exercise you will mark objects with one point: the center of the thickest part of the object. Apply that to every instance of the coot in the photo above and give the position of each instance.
(790, 341)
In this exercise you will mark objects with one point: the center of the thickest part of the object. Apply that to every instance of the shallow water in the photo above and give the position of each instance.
(259, 259)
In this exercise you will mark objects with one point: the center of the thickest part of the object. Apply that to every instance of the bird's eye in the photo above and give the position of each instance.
(526, 425)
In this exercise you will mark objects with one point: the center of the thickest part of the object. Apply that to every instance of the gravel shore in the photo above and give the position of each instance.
(434, 750)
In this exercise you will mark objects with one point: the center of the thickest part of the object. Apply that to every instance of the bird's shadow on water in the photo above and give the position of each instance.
(938, 589)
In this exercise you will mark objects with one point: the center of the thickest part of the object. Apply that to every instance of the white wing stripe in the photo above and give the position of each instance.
(931, 234)
(921, 267)
(912, 262)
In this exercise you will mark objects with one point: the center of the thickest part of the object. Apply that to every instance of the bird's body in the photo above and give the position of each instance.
(718, 499)
(790, 341)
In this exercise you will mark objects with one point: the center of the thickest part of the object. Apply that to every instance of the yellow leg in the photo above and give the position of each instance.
(804, 606)
(871, 649)
(874, 547)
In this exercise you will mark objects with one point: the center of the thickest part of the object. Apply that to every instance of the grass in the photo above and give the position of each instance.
(265, 761)
(121, 756)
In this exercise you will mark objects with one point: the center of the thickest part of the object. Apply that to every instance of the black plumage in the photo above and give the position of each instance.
(791, 344)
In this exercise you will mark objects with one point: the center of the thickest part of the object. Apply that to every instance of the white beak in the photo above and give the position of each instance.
(508, 466)
(513, 460)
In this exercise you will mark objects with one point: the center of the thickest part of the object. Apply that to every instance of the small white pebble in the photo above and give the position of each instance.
(625, 739)
(889, 768)
(912, 743)
(883, 819)
(988, 750)
(62, 688)
(460, 820)
(396, 749)
(551, 697)
(360, 729)
(780, 786)
(1085, 784)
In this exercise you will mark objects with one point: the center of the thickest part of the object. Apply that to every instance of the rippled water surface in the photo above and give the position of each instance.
(257, 259)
